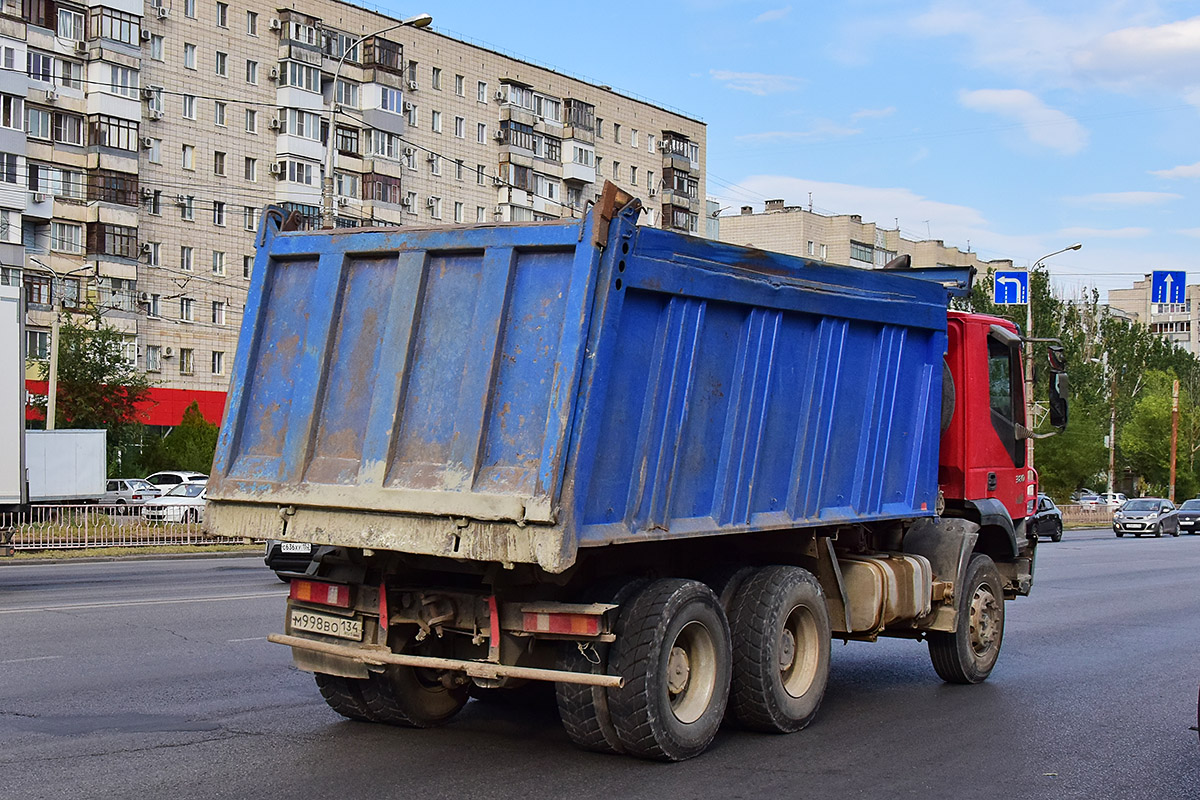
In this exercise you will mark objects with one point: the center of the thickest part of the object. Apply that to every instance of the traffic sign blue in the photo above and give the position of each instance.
(1167, 286)
(1012, 288)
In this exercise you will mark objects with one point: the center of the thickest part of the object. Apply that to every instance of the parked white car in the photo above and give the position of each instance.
(184, 503)
(1112, 499)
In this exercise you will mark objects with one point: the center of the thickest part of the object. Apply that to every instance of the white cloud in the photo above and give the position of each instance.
(773, 15)
(1123, 199)
(758, 83)
(873, 113)
(1045, 126)
(1182, 171)
(1165, 55)
(1194, 232)
(1105, 233)
(820, 131)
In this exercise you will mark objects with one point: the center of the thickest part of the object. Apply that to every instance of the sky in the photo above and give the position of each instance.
(1011, 129)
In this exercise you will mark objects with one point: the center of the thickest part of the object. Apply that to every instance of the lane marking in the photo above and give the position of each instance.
(250, 639)
(165, 601)
(35, 658)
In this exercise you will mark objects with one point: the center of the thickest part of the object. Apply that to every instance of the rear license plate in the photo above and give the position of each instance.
(312, 622)
(295, 547)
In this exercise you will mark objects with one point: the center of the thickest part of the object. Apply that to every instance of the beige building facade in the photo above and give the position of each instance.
(146, 138)
(1176, 322)
(839, 239)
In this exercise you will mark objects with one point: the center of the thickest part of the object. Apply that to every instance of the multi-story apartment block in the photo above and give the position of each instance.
(142, 140)
(839, 239)
(1176, 322)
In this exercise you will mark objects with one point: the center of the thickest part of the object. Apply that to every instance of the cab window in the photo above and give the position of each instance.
(1006, 395)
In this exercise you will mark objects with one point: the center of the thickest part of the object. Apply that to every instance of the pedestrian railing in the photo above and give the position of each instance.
(48, 527)
(1089, 516)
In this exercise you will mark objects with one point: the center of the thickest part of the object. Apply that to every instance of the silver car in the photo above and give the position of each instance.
(1152, 515)
(128, 492)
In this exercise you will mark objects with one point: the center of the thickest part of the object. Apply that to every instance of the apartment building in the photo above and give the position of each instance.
(141, 142)
(1175, 322)
(839, 239)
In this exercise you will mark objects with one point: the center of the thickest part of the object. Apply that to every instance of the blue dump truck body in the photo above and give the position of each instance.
(512, 393)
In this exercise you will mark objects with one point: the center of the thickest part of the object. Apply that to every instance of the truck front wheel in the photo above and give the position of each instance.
(673, 651)
(781, 642)
(344, 695)
(411, 697)
(968, 654)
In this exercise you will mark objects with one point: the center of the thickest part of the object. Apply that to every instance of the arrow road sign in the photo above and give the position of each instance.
(1012, 288)
(1167, 286)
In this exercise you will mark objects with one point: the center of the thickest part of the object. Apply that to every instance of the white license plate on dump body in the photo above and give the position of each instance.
(312, 622)
(295, 547)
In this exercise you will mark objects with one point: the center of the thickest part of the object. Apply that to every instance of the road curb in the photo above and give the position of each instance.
(7, 562)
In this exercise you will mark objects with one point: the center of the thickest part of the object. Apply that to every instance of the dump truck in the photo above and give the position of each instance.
(661, 472)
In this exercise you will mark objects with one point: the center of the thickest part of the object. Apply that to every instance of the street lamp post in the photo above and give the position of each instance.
(1029, 342)
(327, 193)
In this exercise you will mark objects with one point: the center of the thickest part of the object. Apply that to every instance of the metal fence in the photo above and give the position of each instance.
(1097, 516)
(75, 527)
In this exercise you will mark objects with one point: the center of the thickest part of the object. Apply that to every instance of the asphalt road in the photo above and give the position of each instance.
(153, 679)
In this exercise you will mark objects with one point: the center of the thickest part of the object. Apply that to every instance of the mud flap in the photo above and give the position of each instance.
(947, 544)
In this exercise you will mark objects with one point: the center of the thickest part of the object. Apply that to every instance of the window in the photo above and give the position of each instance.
(154, 153)
(458, 169)
(479, 174)
(616, 133)
(249, 218)
(435, 165)
(480, 214)
(222, 15)
(189, 106)
(37, 345)
(304, 124)
(189, 56)
(459, 85)
(599, 128)
(156, 47)
(435, 207)
(9, 167)
(346, 184)
(219, 213)
(336, 44)
(412, 116)
(118, 26)
(247, 266)
(387, 145)
(218, 362)
(346, 140)
(300, 76)
(218, 264)
(187, 361)
(346, 93)
(70, 73)
(187, 209)
(412, 71)
(70, 24)
(251, 121)
(824, 252)
(154, 354)
(435, 78)
(221, 64)
(113, 240)
(10, 231)
(382, 189)
(812, 248)
(189, 8)
(37, 289)
(252, 72)
(616, 170)
(582, 155)
(112, 187)
(458, 212)
(218, 162)
(650, 180)
(633, 175)
(187, 309)
(299, 32)
(219, 113)
(68, 128)
(650, 142)
(186, 262)
(251, 169)
(481, 92)
(460, 127)
(481, 132)
(66, 238)
(155, 101)
(252, 23)
(300, 172)
(189, 157)
(154, 254)
(1006, 395)
(861, 252)
(123, 81)
(633, 139)
(435, 118)
(37, 122)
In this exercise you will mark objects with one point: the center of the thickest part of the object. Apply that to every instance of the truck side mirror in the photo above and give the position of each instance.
(1059, 386)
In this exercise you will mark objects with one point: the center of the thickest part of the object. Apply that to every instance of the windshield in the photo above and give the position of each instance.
(139, 484)
(1142, 505)
(1190, 505)
(186, 490)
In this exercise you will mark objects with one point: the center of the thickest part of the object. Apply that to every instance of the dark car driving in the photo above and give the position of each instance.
(1152, 515)
(1189, 516)
(1047, 521)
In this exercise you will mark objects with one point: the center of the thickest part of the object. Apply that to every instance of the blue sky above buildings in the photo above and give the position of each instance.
(1013, 128)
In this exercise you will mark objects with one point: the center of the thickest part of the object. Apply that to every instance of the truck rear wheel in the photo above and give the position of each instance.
(344, 695)
(968, 654)
(673, 651)
(781, 642)
(411, 697)
(584, 710)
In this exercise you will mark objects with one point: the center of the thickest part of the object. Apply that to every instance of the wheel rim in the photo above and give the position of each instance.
(985, 621)
(798, 658)
(691, 672)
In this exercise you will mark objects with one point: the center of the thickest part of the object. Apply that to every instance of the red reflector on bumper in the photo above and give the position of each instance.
(568, 624)
(326, 594)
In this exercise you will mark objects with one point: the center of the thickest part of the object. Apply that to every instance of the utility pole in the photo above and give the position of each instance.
(1112, 437)
(1174, 434)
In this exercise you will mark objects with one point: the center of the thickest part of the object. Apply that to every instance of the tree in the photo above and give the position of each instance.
(97, 385)
(190, 444)
(1146, 438)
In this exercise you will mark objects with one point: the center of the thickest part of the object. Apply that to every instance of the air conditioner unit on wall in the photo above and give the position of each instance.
(81, 47)
(155, 114)
(273, 74)
(500, 94)
(406, 201)
(430, 202)
(51, 95)
(653, 191)
(168, 352)
(146, 36)
(275, 124)
(498, 136)
(276, 25)
(412, 86)
(147, 192)
(276, 168)
(40, 197)
(146, 247)
(343, 201)
(163, 12)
